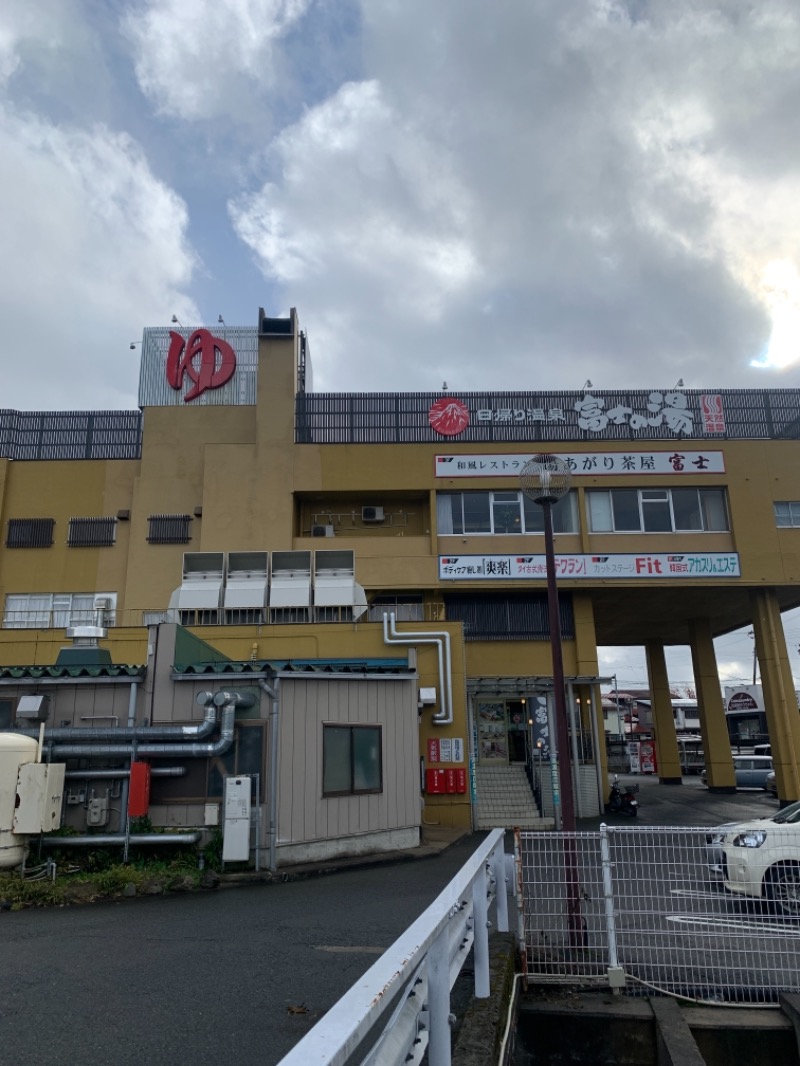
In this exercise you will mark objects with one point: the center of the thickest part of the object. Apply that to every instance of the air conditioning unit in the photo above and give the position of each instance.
(103, 603)
(372, 514)
(322, 531)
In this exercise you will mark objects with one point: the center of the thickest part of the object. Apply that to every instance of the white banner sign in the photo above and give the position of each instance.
(591, 464)
(645, 565)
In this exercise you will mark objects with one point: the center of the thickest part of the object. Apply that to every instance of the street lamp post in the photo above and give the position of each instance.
(545, 479)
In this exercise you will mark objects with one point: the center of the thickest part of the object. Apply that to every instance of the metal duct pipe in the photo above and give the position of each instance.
(391, 636)
(108, 775)
(139, 732)
(132, 704)
(156, 751)
(106, 839)
(272, 802)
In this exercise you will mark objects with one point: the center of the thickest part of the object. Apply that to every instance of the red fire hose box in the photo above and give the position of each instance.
(139, 794)
(435, 782)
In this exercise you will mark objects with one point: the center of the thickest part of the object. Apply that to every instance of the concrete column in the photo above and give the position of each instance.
(586, 666)
(713, 727)
(667, 755)
(780, 702)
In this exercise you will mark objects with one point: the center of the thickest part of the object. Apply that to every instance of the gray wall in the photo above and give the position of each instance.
(308, 703)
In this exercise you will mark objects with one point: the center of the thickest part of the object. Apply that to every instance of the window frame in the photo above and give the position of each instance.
(494, 501)
(352, 727)
(707, 496)
(793, 506)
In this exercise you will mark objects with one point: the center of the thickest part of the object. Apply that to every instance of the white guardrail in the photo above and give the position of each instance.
(401, 1006)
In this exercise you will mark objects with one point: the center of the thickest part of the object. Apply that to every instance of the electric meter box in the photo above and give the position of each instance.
(40, 788)
(236, 819)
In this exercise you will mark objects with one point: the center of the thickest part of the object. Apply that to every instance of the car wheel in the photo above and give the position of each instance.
(782, 887)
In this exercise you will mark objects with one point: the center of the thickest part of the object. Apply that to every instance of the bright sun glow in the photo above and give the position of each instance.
(780, 290)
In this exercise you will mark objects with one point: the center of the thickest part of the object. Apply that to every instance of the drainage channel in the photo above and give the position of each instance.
(555, 1026)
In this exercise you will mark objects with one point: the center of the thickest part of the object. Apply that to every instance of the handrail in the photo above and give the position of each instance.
(411, 981)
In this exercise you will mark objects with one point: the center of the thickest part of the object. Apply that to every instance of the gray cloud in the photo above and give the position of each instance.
(541, 188)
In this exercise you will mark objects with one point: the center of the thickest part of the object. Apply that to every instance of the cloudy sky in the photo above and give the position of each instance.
(522, 193)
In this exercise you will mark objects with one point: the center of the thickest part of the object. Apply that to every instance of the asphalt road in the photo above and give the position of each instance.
(210, 978)
(199, 979)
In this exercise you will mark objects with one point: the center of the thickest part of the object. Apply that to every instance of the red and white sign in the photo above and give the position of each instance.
(433, 750)
(448, 416)
(713, 413)
(208, 362)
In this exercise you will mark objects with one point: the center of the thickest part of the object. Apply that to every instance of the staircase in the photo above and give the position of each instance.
(505, 800)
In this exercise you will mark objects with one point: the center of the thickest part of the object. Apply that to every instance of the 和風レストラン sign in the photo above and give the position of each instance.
(592, 464)
(647, 565)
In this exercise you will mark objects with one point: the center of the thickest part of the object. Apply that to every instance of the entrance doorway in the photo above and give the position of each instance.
(503, 731)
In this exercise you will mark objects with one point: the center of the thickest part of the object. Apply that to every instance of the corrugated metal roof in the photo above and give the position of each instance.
(35, 673)
(308, 666)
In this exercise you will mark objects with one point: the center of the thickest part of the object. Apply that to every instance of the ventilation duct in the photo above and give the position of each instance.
(201, 586)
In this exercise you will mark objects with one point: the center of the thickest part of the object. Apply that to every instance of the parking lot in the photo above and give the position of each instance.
(650, 904)
(689, 804)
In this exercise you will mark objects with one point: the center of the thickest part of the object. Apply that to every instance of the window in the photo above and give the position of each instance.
(351, 760)
(658, 510)
(92, 532)
(787, 513)
(58, 610)
(406, 607)
(501, 512)
(169, 529)
(30, 532)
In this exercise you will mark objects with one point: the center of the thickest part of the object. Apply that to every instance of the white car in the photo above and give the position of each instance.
(760, 858)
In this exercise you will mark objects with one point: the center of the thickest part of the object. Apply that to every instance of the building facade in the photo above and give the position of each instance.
(375, 555)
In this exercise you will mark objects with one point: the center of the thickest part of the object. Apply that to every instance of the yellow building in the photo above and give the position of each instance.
(300, 533)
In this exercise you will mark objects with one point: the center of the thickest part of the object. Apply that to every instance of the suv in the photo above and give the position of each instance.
(750, 770)
(760, 858)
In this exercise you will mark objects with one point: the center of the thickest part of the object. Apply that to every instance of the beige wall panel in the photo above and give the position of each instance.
(304, 710)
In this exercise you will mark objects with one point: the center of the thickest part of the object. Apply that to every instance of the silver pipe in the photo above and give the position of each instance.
(391, 636)
(274, 723)
(158, 751)
(139, 732)
(132, 704)
(102, 775)
(135, 839)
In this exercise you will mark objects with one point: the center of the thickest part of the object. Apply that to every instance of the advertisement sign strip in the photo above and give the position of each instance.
(646, 565)
(592, 464)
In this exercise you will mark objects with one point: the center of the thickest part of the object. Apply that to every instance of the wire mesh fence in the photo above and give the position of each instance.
(712, 915)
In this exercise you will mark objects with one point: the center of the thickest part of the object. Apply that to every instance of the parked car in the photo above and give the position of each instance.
(751, 771)
(760, 858)
(771, 784)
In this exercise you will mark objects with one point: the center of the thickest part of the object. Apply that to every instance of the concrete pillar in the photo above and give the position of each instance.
(780, 702)
(668, 757)
(586, 666)
(713, 727)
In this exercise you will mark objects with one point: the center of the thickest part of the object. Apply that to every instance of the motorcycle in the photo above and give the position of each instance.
(622, 799)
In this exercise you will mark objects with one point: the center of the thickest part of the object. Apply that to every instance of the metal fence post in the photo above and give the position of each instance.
(438, 964)
(616, 975)
(480, 914)
(498, 867)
